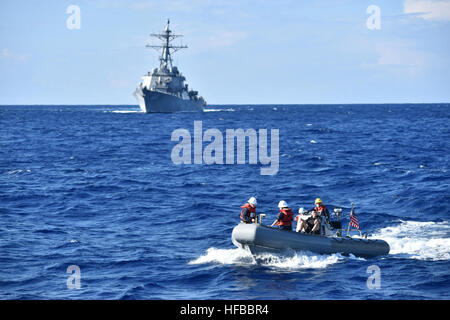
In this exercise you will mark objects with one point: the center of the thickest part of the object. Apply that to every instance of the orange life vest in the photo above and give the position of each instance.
(321, 209)
(286, 219)
(249, 208)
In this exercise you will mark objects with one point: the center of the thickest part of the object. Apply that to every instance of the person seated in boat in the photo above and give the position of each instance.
(310, 225)
(321, 209)
(248, 212)
(302, 214)
(314, 223)
(284, 219)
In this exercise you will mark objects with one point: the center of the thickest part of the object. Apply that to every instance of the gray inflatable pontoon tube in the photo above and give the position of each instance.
(258, 238)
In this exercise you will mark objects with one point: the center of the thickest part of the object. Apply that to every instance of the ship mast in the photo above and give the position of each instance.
(167, 49)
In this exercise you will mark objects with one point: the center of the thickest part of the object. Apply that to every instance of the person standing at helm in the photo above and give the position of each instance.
(321, 209)
(248, 212)
(284, 219)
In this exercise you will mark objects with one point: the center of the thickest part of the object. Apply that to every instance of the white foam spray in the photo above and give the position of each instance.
(126, 111)
(409, 239)
(291, 262)
(218, 110)
(418, 240)
(225, 256)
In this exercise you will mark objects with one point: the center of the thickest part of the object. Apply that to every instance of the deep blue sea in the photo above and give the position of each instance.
(96, 187)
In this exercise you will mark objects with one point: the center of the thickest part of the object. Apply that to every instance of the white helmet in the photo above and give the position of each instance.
(301, 210)
(252, 201)
(282, 204)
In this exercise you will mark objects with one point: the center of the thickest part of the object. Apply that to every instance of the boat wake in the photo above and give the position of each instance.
(291, 261)
(299, 260)
(418, 240)
(218, 110)
(235, 256)
(409, 239)
(126, 111)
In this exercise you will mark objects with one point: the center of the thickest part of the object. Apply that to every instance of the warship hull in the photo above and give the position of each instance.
(259, 239)
(151, 101)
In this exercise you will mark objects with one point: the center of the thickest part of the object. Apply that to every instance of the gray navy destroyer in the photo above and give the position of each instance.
(163, 89)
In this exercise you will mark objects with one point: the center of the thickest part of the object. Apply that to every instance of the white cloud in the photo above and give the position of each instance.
(7, 54)
(213, 38)
(191, 6)
(140, 5)
(225, 38)
(401, 56)
(428, 9)
(118, 4)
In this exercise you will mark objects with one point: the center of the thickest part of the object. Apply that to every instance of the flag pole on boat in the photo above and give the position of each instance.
(351, 213)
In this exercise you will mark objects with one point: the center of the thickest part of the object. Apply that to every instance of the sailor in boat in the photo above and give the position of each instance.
(248, 212)
(321, 209)
(284, 219)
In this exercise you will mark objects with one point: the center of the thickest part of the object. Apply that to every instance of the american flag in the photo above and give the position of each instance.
(353, 220)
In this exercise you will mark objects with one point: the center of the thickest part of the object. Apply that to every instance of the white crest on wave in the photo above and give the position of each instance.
(126, 111)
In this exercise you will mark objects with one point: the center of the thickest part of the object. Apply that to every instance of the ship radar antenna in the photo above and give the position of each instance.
(167, 49)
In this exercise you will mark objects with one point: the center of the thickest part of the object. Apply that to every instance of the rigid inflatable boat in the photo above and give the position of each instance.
(258, 238)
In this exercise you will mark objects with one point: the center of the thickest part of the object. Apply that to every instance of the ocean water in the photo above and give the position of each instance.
(96, 187)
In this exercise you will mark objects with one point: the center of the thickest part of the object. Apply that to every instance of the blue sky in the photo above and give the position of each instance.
(240, 52)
